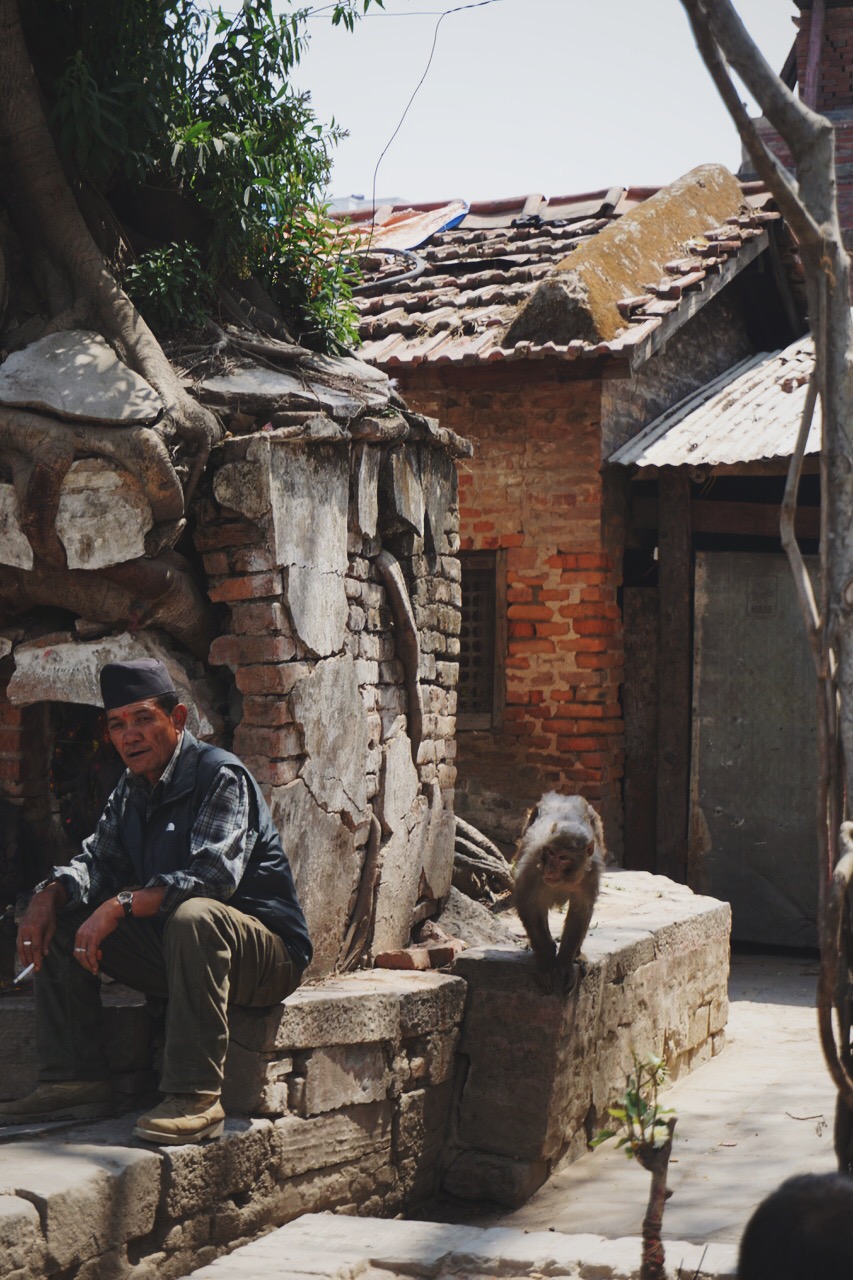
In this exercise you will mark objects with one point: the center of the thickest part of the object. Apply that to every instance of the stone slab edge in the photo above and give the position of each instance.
(327, 1247)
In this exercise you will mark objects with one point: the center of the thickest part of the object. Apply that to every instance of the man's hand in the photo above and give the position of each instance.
(38, 926)
(90, 935)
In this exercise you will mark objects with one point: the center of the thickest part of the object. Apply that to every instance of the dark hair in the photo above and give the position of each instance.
(167, 702)
(803, 1231)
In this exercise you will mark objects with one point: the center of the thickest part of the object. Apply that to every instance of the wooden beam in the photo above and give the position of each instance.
(640, 710)
(747, 519)
(675, 590)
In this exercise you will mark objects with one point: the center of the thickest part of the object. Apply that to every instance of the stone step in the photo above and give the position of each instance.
(365, 1093)
(321, 1246)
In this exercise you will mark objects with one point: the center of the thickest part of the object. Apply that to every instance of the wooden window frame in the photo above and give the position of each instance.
(491, 721)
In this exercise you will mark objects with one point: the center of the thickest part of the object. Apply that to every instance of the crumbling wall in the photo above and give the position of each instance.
(337, 565)
(331, 565)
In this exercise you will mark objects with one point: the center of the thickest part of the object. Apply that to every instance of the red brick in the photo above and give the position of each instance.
(266, 711)
(512, 540)
(550, 628)
(518, 630)
(405, 958)
(259, 617)
(232, 533)
(10, 769)
(531, 646)
(575, 743)
(246, 651)
(530, 612)
(252, 587)
(519, 595)
(585, 577)
(595, 627)
(273, 678)
(604, 727)
(444, 953)
(562, 726)
(277, 744)
(599, 661)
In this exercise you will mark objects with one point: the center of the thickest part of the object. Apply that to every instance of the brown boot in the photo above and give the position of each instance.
(60, 1100)
(182, 1117)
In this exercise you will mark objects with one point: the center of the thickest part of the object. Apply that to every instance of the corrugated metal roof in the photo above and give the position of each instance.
(751, 412)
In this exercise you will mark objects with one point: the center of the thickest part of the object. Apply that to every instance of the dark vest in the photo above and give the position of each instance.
(160, 844)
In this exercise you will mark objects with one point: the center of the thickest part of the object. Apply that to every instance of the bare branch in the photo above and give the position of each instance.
(769, 169)
(802, 581)
(800, 126)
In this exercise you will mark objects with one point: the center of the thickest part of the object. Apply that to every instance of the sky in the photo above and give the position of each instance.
(555, 97)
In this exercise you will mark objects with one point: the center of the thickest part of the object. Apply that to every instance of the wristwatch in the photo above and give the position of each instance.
(125, 898)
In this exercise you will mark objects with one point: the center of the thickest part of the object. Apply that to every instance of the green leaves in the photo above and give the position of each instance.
(170, 287)
(168, 94)
(643, 1123)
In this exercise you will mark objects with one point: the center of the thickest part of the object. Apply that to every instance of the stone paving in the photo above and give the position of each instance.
(324, 1247)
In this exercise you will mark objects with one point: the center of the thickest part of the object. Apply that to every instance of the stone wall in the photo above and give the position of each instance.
(538, 1074)
(345, 719)
(534, 492)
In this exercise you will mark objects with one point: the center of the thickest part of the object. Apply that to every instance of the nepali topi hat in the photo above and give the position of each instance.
(126, 682)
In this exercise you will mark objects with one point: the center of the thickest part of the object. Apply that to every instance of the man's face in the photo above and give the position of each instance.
(145, 736)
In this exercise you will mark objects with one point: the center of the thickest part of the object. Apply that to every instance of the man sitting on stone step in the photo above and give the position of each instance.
(183, 892)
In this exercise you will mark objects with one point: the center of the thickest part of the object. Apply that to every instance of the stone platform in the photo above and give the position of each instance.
(372, 1092)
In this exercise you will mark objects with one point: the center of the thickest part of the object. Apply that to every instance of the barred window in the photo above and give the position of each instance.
(482, 640)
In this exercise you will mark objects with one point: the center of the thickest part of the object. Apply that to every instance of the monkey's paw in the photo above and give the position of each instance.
(571, 975)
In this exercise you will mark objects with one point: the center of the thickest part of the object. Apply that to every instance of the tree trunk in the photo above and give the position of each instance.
(47, 216)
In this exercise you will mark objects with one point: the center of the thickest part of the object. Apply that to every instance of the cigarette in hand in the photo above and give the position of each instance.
(25, 973)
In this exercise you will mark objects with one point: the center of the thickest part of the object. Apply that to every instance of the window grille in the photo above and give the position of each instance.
(481, 647)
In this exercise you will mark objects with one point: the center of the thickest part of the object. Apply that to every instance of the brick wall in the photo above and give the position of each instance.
(834, 99)
(534, 490)
(835, 77)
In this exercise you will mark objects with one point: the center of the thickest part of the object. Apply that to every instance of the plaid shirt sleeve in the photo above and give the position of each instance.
(219, 849)
(102, 867)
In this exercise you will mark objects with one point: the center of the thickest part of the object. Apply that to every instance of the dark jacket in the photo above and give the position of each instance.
(160, 844)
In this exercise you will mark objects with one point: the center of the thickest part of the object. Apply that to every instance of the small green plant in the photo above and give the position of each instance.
(645, 1130)
(170, 287)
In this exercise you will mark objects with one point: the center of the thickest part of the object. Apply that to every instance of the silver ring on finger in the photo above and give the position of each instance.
(26, 943)
(79, 948)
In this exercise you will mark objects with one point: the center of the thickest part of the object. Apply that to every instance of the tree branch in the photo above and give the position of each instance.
(769, 169)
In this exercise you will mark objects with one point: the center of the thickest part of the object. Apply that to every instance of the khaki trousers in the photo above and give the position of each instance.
(201, 958)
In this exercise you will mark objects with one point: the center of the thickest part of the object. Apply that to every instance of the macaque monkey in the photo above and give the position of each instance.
(559, 860)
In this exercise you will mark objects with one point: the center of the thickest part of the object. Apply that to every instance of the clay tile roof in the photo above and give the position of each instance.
(452, 296)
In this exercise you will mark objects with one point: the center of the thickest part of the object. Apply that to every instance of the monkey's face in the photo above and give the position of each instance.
(564, 864)
(563, 835)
